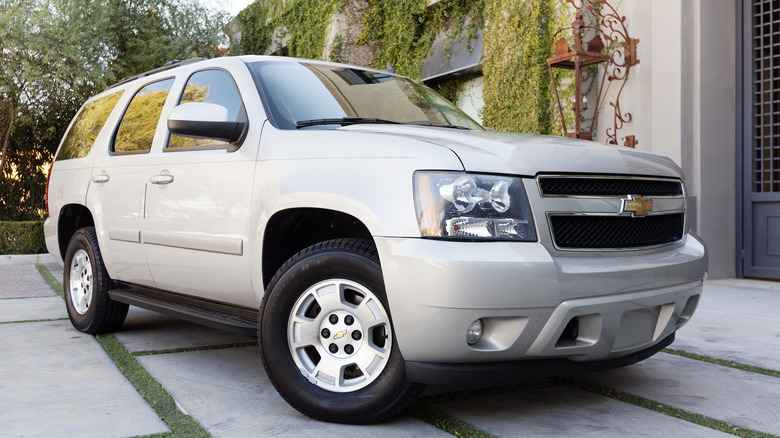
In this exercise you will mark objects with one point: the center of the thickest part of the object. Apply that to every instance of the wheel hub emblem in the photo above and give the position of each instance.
(340, 335)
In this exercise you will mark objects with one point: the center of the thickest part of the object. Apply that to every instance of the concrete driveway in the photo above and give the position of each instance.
(163, 375)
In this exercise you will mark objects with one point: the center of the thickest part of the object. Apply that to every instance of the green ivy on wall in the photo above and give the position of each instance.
(305, 22)
(401, 32)
(255, 30)
(517, 84)
(518, 40)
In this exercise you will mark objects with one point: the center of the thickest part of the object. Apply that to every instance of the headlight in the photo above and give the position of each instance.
(475, 207)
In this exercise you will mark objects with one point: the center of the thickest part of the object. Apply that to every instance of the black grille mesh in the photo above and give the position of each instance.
(609, 187)
(593, 232)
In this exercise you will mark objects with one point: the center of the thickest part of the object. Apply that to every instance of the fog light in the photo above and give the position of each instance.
(474, 332)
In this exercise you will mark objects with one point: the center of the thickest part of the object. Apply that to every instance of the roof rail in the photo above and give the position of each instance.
(167, 66)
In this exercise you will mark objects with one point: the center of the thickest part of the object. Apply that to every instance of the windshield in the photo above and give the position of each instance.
(314, 93)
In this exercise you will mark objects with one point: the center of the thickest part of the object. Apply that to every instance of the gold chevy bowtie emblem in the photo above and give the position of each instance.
(636, 205)
(340, 335)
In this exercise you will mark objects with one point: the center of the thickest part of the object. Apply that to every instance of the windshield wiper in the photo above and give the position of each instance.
(343, 121)
(443, 126)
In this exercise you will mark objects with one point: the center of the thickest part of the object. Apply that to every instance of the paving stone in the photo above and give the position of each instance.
(738, 397)
(565, 411)
(735, 323)
(32, 309)
(145, 330)
(22, 281)
(737, 284)
(55, 269)
(56, 381)
(228, 393)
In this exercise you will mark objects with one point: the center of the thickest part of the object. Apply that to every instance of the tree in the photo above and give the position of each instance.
(54, 54)
(42, 78)
(144, 34)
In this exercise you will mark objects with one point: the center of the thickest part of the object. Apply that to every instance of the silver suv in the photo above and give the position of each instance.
(371, 235)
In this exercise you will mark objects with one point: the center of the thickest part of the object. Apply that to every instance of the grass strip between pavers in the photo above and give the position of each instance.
(701, 420)
(423, 410)
(150, 389)
(445, 422)
(723, 362)
(53, 283)
(33, 320)
(191, 349)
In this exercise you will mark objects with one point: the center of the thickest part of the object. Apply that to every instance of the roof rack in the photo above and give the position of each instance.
(167, 66)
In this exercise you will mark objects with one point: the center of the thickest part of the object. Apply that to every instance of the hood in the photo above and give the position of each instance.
(528, 155)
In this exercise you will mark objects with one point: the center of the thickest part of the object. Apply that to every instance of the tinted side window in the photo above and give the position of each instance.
(87, 126)
(211, 86)
(136, 131)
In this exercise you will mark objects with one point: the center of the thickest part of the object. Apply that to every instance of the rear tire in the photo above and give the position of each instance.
(86, 284)
(326, 336)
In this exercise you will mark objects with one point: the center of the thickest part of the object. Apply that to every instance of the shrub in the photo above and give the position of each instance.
(22, 238)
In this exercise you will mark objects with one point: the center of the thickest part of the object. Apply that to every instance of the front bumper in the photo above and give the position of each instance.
(621, 303)
(518, 371)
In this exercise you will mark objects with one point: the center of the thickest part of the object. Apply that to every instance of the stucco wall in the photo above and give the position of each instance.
(715, 147)
(470, 98)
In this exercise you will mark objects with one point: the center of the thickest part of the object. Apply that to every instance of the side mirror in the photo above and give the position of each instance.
(205, 120)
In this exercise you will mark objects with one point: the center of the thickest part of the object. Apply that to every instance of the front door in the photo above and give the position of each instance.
(198, 202)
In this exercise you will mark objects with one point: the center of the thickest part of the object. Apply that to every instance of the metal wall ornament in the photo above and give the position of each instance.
(620, 56)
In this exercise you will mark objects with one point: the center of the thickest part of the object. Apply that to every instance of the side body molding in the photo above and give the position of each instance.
(222, 245)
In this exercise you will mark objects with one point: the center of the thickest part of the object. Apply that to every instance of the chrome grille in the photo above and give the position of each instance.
(590, 212)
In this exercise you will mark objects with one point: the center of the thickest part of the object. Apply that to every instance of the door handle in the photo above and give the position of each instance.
(161, 179)
(100, 179)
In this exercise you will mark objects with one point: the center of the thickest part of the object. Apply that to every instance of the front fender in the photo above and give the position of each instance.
(367, 176)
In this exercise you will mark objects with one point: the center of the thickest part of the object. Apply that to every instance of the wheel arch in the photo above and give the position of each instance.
(71, 218)
(292, 230)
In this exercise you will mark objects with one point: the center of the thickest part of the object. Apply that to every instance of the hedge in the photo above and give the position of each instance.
(22, 238)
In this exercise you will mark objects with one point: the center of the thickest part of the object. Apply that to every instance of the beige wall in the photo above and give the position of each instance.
(716, 149)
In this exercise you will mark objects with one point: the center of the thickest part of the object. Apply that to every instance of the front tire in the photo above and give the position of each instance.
(326, 336)
(86, 284)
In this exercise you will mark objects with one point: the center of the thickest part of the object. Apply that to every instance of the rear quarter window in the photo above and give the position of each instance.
(85, 129)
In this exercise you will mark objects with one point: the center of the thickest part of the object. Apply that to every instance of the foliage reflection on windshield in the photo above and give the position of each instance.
(299, 91)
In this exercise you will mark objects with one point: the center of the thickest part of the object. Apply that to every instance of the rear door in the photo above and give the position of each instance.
(118, 184)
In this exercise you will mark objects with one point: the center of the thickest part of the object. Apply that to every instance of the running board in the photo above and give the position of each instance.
(209, 313)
